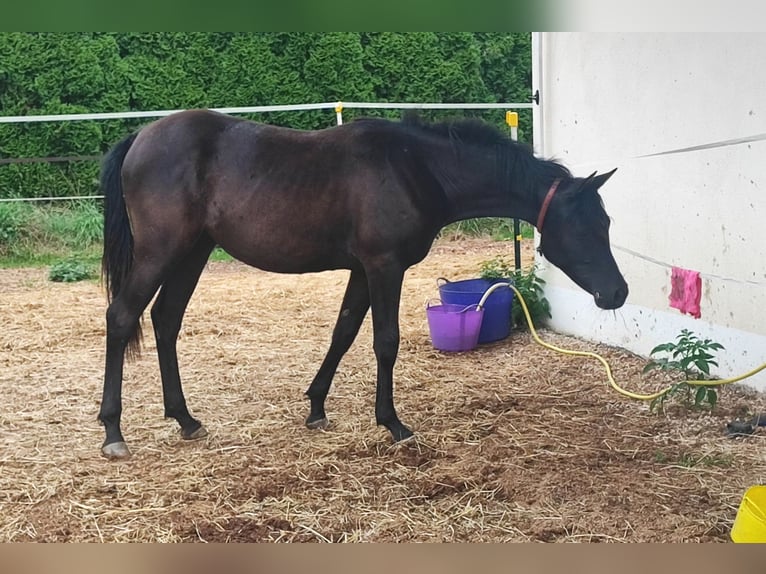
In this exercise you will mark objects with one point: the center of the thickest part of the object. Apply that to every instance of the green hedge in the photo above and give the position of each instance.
(54, 73)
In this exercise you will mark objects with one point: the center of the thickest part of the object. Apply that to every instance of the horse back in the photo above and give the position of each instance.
(264, 191)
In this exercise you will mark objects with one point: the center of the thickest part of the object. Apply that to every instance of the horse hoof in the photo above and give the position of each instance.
(399, 432)
(318, 424)
(200, 432)
(116, 451)
(406, 439)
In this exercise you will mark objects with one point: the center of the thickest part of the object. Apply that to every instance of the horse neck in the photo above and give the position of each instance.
(485, 189)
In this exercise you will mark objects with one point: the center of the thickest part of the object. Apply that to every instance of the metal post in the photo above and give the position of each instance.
(512, 119)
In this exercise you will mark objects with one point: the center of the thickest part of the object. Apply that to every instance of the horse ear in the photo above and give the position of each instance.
(585, 183)
(600, 180)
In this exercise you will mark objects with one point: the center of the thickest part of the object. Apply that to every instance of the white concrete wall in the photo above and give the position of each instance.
(609, 100)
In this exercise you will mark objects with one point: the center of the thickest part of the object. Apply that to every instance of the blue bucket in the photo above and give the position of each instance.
(496, 324)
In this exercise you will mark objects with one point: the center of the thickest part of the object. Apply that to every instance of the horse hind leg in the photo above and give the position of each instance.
(122, 321)
(167, 314)
(356, 302)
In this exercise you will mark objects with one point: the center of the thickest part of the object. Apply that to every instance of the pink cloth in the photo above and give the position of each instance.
(686, 291)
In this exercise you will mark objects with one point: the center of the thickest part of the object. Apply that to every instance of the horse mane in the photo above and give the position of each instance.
(462, 130)
(514, 158)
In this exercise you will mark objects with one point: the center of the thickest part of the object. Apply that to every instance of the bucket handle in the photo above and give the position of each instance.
(489, 291)
(439, 301)
(444, 281)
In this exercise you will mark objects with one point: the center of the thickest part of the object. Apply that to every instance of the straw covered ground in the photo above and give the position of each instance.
(514, 442)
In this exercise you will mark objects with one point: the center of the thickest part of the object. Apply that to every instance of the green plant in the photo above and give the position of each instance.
(691, 356)
(219, 254)
(71, 270)
(11, 221)
(528, 283)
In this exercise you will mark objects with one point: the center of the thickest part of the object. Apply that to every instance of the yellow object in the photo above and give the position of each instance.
(612, 382)
(512, 119)
(750, 523)
(338, 107)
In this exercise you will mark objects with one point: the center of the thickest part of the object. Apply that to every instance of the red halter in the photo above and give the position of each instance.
(546, 203)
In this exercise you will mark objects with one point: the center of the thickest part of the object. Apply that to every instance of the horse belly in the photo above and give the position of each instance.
(288, 248)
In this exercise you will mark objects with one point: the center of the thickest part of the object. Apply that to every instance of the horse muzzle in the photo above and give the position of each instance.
(613, 299)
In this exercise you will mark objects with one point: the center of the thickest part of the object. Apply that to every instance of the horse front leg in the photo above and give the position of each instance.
(385, 286)
(356, 302)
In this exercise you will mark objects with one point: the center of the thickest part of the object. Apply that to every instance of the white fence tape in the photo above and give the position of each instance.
(337, 107)
(259, 109)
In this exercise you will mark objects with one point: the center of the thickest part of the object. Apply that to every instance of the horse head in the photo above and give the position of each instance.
(574, 236)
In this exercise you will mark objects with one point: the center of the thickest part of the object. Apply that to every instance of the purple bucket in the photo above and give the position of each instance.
(497, 319)
(454, 328)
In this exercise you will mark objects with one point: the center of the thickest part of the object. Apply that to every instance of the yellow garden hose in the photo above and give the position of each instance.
(612, 382)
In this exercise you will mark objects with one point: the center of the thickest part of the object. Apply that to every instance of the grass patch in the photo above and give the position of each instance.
(34, 235)
(692, 459)
(498, 228)
(73, 228)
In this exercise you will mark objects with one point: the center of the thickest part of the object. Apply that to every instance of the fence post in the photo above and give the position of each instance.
(339, 113)
(512, 119)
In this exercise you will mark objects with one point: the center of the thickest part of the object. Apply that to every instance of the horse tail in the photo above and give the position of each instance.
(118, 237)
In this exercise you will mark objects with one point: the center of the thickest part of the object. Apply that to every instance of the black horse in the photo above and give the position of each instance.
(369, 196)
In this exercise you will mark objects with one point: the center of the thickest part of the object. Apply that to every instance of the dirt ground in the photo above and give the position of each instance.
(514, 442)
